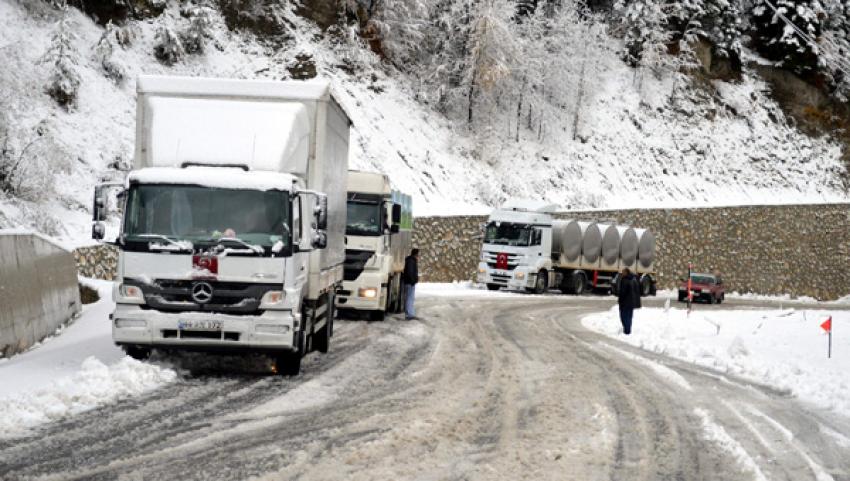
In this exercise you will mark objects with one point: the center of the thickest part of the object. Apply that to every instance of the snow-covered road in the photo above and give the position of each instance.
(500, 387)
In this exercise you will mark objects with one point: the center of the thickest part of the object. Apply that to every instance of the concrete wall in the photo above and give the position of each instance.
(802, 250)
(38, 290)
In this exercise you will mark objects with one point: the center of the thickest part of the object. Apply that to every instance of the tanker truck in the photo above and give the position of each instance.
(232, 237)
(378, 231)
(526, 248)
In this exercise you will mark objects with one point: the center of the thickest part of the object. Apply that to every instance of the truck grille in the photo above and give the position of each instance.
(240, 298)
(491, 259)
(355, 263)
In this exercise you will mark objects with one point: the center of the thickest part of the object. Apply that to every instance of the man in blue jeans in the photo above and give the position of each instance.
(628, 297)
(410, 278)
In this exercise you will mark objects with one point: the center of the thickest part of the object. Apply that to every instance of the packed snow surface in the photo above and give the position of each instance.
(78, 369)
(783, 348)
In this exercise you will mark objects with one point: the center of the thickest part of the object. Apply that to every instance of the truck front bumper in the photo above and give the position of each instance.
(517, 278)
(270, 331)
(350, 298)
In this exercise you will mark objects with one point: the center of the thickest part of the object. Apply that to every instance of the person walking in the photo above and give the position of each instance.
(628, 298)
(410, 278)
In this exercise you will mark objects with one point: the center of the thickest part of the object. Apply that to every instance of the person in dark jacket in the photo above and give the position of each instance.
(410, 278)
(628, 297)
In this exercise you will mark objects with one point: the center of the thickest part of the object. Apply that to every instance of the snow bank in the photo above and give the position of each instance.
(76, 369)
(785, 349)
(94, 385)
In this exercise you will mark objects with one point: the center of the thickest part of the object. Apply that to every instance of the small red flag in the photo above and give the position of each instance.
(827, 324)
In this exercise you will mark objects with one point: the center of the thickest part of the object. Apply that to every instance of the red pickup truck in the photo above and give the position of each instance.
(705, 287)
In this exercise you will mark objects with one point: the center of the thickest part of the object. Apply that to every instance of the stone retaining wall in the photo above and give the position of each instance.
(802, 250)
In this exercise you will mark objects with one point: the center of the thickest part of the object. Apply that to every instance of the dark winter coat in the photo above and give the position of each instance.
(628, 292)
(411, 270)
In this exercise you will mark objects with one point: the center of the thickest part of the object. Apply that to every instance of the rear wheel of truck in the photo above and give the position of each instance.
(540, 284)
(578, 283)
(136, 352)
(493, 287)
(645, 286)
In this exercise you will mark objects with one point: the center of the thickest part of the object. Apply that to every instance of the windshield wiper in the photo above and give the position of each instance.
(248, 248)
(172, 245)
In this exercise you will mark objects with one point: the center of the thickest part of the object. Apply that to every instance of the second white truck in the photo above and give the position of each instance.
(526, 248)
(379, 234)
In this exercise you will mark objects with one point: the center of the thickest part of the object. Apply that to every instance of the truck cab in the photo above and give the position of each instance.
(517, 247)
(378, 237)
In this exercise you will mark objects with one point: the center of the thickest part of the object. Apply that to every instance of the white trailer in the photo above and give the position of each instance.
(526, 248)
(232, 236)
(379, 231)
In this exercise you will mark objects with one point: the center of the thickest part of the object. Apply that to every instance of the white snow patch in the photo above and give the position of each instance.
(786, 349)
(72, 372)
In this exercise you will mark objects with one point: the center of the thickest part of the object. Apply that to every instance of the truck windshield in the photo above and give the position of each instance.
(364, 218)
(505, 233)
(198, 214)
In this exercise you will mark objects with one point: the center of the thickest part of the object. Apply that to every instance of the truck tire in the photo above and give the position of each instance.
(289, 363)
(645, 286)
(136, 352)
(493, 287)
(540, 284)
(578, 283)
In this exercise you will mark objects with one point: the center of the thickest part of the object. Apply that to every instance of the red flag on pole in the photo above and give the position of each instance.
(827, 324)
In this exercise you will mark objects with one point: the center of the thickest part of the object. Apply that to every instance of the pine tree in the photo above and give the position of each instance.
(168, 48)
(786, 44)
(104, 53)
(195, 36)
(64, 81)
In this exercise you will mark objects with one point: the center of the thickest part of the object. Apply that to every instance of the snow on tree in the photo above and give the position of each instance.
(718, 21)
(168, 48)
(104, 54)
(784, 42)
(835, 47)
(195, 36)
(64, 81)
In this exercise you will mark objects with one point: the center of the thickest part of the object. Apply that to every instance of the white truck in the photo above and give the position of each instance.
(232, 237)
(379, 234)
(526, 248)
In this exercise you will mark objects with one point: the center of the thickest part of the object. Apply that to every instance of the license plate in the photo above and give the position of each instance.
(199, 325)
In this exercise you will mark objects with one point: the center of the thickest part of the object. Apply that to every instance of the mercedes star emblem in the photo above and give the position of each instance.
(202, 292)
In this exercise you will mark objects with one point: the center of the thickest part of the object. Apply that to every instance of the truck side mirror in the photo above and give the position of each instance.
(396, 214)
(394, 229)
(98, 230)
(321, 212)
(99, 204)
(320, 239)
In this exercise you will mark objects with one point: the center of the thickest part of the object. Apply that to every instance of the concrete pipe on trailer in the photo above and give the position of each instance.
(610, 245)
(591, 243)
(628, 246)
(569, 234)
(646, 249)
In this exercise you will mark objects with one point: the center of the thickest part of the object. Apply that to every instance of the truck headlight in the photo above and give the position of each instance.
(520, 275)
(482, 270)
(367, 292)
(128, 294)
(271, 299)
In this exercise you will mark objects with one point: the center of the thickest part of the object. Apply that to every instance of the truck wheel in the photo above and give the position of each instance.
(540, 284)
(645, 286)
(493, 287)
(289, 363)
(377, 315)
(136, 352)
(578, 282)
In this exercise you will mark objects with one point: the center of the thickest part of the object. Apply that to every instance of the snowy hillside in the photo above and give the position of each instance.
(649, 141)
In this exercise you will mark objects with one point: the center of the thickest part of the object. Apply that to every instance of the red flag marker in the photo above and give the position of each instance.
(827, 326)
